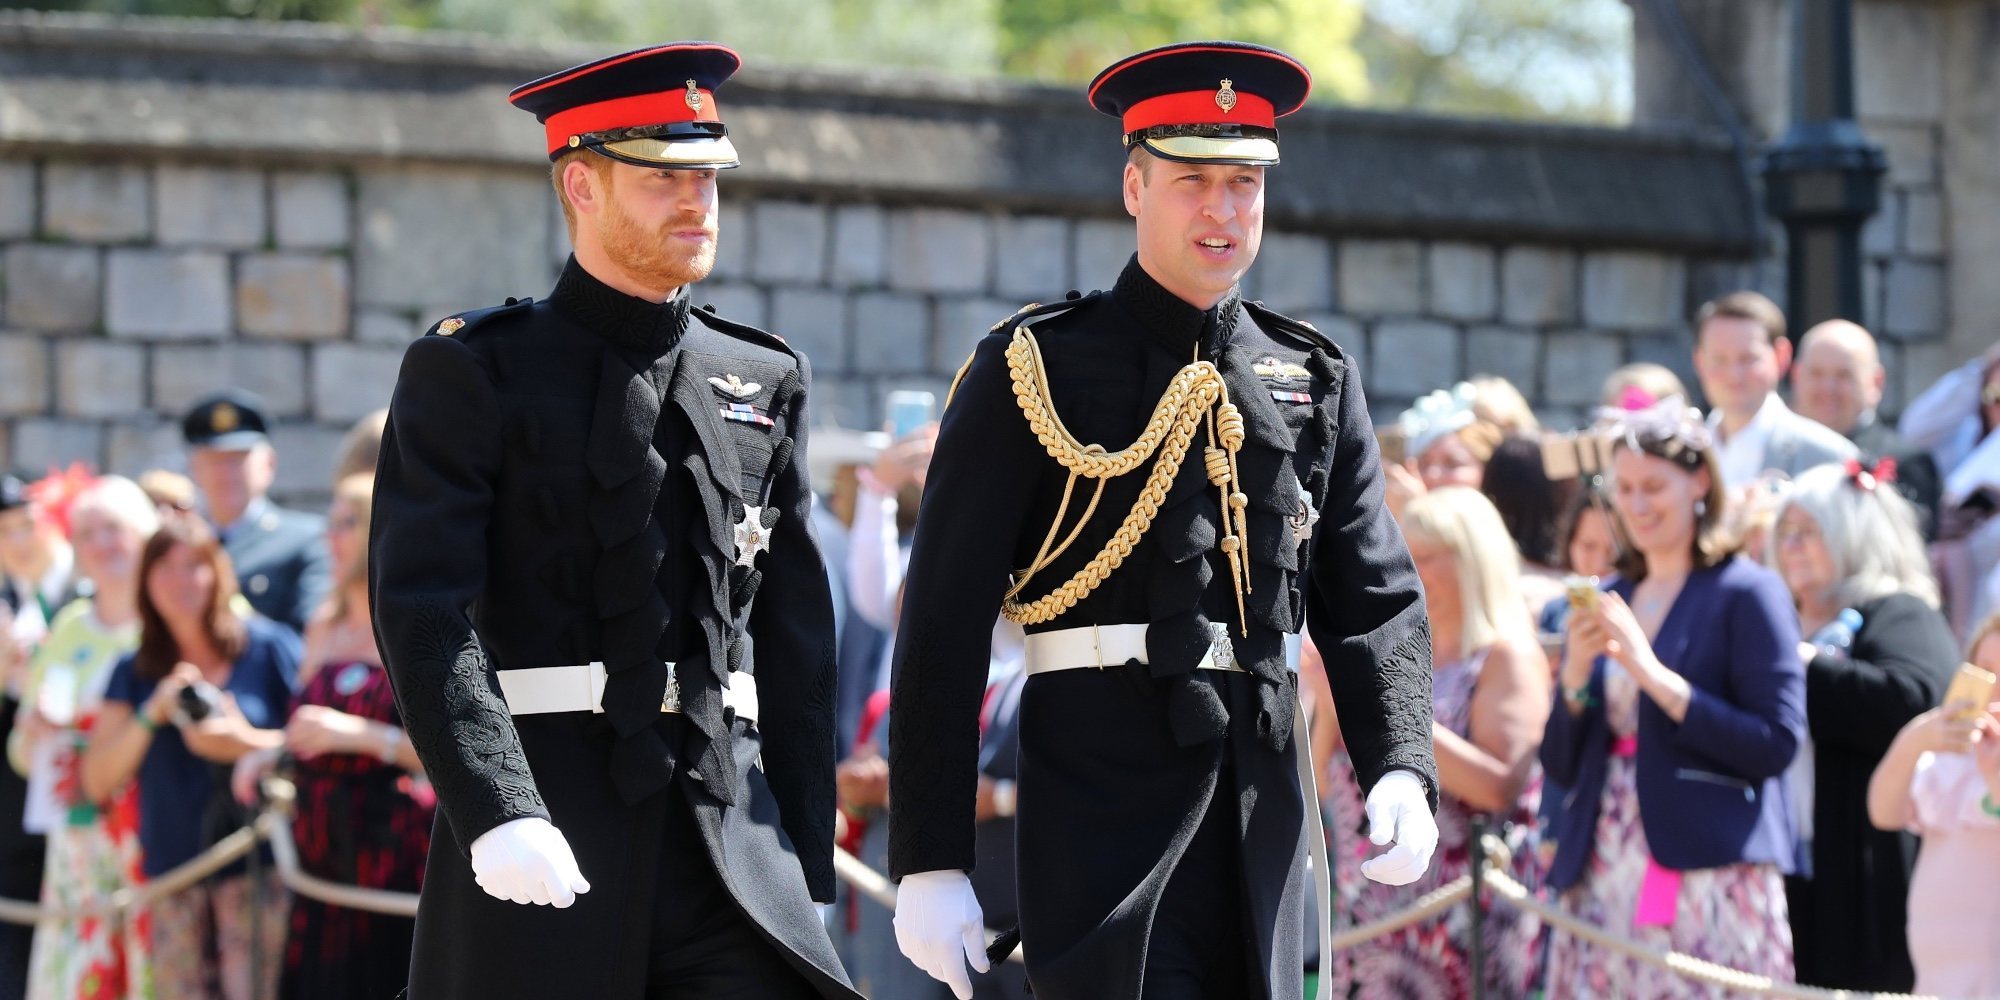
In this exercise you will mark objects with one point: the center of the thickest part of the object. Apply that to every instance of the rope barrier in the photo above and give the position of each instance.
(274, 825)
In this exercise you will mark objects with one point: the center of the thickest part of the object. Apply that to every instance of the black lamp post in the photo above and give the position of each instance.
(1823, 178)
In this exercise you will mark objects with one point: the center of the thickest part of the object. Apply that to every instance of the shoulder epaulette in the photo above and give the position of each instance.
(459, 324)
(1305, 333)
(762, 338)
(1036, 311)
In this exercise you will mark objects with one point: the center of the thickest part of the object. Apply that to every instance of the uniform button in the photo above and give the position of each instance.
(259, 584)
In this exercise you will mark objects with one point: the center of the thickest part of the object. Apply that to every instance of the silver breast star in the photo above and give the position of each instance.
(1306, 517)
(751, 536)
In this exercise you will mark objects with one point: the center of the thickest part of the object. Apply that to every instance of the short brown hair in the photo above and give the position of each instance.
(599, 164)
(1753, 306)
(1713, 541)
(158, 652)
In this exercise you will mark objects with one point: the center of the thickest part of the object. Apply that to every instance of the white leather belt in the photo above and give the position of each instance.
(1114, 646)
(541, 690)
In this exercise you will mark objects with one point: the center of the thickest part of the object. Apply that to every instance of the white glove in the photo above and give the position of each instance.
(528, 861)
(1398, 810)
(939, 927)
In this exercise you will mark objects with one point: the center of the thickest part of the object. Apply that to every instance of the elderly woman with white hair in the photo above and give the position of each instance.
(1490, 691)
(1848, 547)
(93, 846)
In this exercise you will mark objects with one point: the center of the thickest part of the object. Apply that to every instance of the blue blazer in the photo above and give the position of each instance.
(1712, 788)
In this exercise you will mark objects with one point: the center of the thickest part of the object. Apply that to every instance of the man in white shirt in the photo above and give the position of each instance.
(1740, 356)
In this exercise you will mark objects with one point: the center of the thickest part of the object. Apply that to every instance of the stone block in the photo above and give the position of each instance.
(1575, 364)
(462, 235)
(1031, 257)
(53, 287)
(311, 210)
(1293, 273)
(351, 380)
(292, 296)
(17, 199)
(136, 447)
(1633, 290)
(95, 203)
(1103, 248)
(1912, 150)
(183, 373)
(1913, 299)
(1509, 352)
(1923, 223)
(1381, 277)
(209, 206)
(1892, 387)
(167, 294)
(1898, 72)
(1411, 357)
(99, 378)
(845, 402)
(307, 454)
(962, 324)
(743, 303)
(382, 326)
(24, 375)
(1537, 286)
(892, 334)
(860, 246)
(1464, 281)
(1872, 272)
(939, 250)
(814, 322)
(1673, 349)
(1879, 235)
(1922, 365)
(40, 445)
(788, 240)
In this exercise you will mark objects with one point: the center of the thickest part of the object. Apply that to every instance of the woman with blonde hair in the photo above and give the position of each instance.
(1489, 695)
(1848, 547)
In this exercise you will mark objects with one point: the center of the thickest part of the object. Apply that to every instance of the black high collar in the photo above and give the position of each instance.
(626, 321)
(1172, 321)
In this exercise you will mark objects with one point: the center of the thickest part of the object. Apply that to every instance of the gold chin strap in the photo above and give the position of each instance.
(1196, 396)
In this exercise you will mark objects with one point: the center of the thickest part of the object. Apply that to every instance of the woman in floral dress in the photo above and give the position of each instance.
(93, 847)
(1489, 694)
(1682, 703)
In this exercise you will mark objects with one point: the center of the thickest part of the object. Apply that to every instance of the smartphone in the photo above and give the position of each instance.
(1582, 591)
(1971, 691)
(909, 409)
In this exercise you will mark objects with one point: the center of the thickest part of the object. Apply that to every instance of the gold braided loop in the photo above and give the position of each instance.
(1190, 401)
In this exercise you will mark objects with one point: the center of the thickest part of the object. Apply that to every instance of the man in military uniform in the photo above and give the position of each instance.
(1209, 482)
(598, 594)
(282, 565)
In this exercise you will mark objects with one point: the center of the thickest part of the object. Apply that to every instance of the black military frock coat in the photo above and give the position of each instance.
(558, 485)
(1119, 766)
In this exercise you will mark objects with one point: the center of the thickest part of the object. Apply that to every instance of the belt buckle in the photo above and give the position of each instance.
(1221, 651)
(670, 699)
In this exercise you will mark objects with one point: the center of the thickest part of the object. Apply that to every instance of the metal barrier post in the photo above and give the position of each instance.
(1478, 849)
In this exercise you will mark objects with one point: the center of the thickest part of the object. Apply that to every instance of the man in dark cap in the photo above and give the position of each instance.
(598, 593)
(1161, 483)
(280, 555)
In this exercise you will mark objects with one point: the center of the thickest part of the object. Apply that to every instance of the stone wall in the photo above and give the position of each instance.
(1927, 90)
(185, 206)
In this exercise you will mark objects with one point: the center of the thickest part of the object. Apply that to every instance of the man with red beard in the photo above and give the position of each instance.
(598, 592)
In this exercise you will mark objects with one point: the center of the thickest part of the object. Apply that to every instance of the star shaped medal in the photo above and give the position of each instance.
(751, 535)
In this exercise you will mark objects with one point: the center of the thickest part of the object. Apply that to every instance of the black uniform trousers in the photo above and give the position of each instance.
(1198, 947)
(658, 922)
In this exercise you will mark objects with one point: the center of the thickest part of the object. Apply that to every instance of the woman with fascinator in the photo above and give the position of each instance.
(1681, 702)
(1447, 443)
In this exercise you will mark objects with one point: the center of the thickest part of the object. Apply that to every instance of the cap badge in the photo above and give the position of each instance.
(450, 326)
(224, 418)
(1225, 98)
(693, 97)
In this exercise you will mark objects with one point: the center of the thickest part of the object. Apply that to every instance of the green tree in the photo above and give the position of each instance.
(1566, 59)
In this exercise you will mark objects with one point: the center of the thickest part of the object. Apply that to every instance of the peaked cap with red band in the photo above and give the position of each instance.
(1204, 102)
(652, 107)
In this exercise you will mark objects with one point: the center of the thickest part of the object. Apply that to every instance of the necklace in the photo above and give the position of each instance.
(1660, 597)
